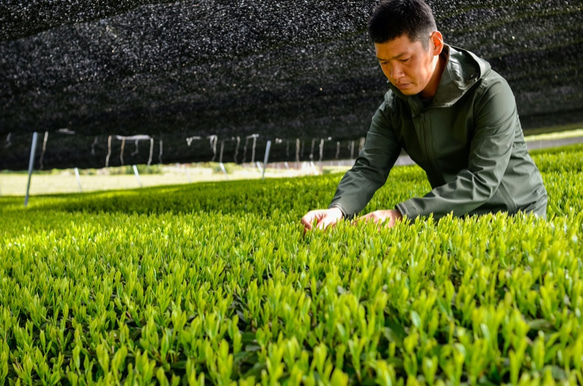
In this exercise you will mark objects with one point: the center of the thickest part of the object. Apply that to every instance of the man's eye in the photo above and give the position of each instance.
(405, 60)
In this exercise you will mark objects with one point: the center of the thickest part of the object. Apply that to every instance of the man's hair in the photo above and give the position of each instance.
(392, 19)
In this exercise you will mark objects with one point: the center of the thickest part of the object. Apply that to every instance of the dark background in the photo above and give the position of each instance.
(288, 71)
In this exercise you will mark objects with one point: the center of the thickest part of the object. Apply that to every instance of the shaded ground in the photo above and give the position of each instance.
(67, 182)
(531, 144)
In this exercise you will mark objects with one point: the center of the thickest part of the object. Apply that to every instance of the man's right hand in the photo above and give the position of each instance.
(321, 218)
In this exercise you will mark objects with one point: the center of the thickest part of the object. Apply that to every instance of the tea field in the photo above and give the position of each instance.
(216, 283)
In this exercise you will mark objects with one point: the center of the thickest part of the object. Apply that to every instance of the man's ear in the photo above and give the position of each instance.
(437, 40)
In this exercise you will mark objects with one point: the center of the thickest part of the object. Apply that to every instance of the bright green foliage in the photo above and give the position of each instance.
(217, 284)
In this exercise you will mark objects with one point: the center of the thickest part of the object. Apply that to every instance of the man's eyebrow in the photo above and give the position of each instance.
(394, 57)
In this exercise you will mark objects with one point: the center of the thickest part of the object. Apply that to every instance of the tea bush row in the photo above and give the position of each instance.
(217, 283)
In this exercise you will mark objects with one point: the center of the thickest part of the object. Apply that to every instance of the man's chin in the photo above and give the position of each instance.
(408, 90)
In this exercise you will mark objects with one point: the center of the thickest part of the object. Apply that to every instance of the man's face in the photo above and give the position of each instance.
(408, 65)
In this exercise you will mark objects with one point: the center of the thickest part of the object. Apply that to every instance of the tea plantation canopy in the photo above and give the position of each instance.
(137, 81)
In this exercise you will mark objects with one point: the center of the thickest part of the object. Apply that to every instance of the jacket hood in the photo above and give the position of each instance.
(462, 71)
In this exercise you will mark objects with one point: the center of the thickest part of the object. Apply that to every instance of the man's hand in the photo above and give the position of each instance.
(385, 217)
(322, 218)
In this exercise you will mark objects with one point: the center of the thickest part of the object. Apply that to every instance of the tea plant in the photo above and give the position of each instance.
(217, 283)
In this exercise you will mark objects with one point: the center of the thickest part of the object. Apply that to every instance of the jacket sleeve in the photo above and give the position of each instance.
(495, 122)
(371, 168)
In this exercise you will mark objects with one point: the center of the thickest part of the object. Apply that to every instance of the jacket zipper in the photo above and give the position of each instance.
(426, 146)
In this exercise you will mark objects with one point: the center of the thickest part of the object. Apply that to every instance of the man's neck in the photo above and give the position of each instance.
(431, 89)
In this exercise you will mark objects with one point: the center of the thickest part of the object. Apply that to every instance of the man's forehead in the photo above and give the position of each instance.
(396, 48)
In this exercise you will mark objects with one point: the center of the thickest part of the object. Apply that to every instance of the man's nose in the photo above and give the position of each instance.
(396, 71)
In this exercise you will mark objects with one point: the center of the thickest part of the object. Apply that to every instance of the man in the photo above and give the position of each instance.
(453, 115)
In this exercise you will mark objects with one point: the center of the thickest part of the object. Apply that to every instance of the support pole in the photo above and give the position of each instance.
(78, 180)
(187, 173)
(221, 158)
(137, 174)
(31, 165)
(266, 158)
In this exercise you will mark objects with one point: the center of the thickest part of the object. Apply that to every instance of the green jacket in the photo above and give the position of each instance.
(468, 139)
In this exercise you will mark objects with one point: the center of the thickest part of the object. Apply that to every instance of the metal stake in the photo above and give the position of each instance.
(137, 174)
(78, 180)
(31, 165)
(266, 158)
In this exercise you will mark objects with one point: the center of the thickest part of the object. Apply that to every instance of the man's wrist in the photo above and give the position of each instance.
(397, 213)
(402, 209)
(340, 211)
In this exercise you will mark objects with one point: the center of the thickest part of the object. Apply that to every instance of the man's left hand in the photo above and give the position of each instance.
(385, 217)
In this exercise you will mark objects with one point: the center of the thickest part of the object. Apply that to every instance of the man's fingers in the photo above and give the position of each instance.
(321, 219)
(387, 218)
(312, 219)
(323, 224)
(369, 217)
(316, 219)
(307, 220)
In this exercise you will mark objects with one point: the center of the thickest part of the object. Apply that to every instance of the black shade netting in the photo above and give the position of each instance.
(200, 76)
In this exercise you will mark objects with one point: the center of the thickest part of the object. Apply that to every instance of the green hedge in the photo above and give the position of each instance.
(217, 283)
